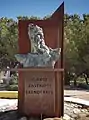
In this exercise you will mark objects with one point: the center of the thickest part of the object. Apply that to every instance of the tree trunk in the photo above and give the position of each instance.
(75, 82)
(67, 78)
(86, 80)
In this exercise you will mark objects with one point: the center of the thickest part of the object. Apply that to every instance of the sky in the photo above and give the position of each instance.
(41, 8)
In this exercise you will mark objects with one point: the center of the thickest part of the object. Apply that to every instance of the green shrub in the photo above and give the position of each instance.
(13, 84)
(12, 87)
(83, 86)
(14, 80)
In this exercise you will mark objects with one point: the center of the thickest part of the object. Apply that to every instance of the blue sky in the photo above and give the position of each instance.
(40, 8)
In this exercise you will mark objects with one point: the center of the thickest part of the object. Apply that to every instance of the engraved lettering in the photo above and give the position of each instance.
(39, 85)
(41, 79)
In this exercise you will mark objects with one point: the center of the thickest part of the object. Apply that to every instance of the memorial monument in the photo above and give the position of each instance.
(40, 55)
(40, 85)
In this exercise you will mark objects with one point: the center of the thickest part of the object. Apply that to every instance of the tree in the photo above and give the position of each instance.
(8, 41)
(76, 45)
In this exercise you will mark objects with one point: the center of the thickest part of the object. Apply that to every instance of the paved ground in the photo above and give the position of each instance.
(82, 94)
(8, 104)
(71, 111)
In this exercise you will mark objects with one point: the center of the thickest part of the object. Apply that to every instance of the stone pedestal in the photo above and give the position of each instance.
(41, 92)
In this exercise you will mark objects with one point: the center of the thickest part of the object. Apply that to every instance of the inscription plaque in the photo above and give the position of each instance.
(39, 93)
